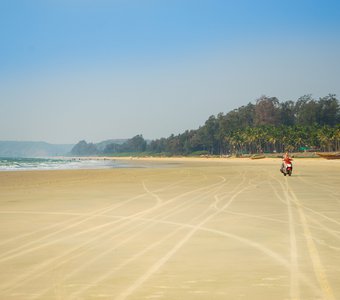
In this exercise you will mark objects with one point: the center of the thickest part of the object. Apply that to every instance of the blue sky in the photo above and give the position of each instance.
(94, 70)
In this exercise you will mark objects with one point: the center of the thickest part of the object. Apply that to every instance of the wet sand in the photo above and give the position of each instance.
(183, 229)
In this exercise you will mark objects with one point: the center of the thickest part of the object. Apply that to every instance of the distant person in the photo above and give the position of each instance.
(285, 161)
(286, 158)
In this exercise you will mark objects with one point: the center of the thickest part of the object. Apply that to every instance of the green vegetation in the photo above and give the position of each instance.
(268, 126)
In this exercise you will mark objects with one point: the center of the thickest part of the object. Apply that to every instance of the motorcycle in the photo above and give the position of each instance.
(287, 169)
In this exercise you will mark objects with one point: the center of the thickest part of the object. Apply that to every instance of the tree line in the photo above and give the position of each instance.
(266, 126)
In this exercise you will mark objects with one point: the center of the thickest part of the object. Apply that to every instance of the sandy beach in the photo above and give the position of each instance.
(172, 229)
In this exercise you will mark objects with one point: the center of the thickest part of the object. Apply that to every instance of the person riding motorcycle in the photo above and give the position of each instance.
(285, 161)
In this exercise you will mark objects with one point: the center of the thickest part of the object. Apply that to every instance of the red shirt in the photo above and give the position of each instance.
(287, 160)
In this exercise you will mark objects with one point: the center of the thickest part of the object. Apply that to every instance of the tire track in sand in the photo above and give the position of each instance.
(156, 266)
(166, 213)
(79, 217)
(318, 267)
(72, 223)
(129, 219)
(294, 268)
(179, 227)
(45, 264)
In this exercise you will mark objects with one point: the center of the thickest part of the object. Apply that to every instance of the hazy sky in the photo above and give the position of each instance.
(100, 69)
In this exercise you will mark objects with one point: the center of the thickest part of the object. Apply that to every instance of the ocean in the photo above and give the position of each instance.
(17, 164)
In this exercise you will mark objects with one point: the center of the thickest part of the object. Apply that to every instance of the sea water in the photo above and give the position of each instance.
(17, 164)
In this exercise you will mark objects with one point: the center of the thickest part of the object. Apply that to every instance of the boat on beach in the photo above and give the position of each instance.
(329, 155)
(257, 156)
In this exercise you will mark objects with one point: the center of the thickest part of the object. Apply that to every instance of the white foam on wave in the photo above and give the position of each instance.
(54, 164)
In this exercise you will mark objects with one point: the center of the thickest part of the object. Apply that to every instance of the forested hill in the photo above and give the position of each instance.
(266, 126)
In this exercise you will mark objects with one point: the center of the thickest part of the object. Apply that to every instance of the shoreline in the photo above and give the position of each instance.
(192, 159)
(112, 162)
